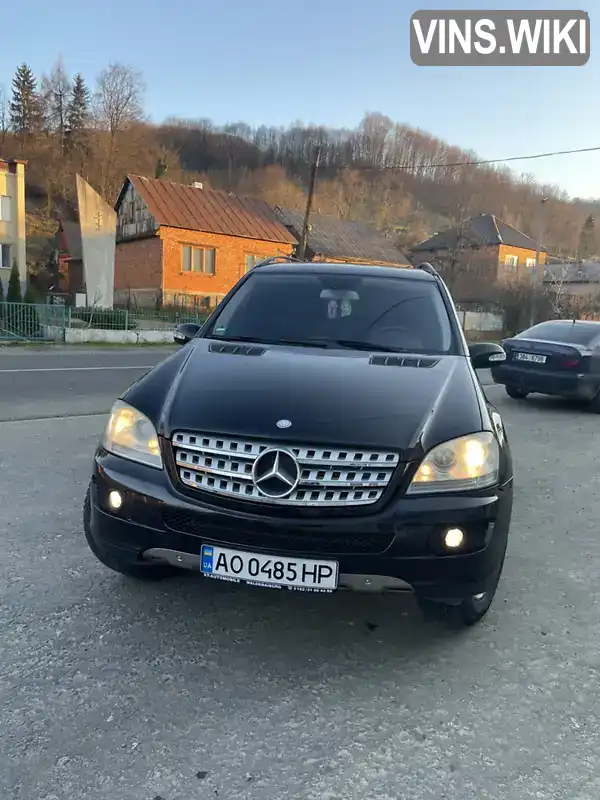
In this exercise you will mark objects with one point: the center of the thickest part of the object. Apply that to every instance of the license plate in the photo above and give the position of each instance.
(530, 357)
(274, 572)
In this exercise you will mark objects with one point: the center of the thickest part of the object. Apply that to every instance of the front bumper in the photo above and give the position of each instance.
(576, 386)
(398, 549)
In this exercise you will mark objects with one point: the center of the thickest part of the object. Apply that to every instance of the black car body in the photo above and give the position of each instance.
(297, 449)
(557, 357)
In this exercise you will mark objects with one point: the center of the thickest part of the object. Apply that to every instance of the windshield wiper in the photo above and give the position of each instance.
(348, 344)
(353, 344)
(258, 340)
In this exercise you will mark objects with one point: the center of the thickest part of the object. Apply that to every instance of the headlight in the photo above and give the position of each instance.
(470, 462)
(130, 434)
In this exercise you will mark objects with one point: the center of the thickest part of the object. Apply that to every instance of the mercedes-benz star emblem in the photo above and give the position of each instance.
(276, 473)
(283, 423)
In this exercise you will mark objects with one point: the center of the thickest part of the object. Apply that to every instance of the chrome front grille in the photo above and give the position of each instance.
(326, 476)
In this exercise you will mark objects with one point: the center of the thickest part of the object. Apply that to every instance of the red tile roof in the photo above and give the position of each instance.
(178, 206)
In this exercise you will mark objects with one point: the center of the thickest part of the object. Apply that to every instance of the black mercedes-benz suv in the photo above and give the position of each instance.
(324, 429)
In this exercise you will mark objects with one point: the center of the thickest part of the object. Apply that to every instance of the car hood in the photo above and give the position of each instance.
(329, 396)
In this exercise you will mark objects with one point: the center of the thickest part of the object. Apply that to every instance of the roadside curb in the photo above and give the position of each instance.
(41, 346)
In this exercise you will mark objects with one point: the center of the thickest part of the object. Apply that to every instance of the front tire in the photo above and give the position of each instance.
(112, 560)
(515, 393)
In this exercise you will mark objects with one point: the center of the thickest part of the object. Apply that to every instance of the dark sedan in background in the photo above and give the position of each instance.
(558, 357)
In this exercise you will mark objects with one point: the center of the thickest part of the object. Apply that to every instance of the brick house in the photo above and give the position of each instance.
(481, 251)
(342, 240)
(176, 242)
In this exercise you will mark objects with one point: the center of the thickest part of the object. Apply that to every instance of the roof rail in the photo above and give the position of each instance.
(427, 267)
(276, 259)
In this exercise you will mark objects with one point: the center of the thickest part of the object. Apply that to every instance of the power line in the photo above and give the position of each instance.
(412, 167)
(482, 162)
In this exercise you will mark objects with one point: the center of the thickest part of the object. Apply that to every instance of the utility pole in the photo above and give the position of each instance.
(536, 270)
(309, 201)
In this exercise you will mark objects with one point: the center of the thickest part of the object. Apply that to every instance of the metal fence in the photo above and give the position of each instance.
(122, 319)
(25, 321)
(29, 322)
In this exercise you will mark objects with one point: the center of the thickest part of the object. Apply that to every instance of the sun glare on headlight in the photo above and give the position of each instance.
(130, 434)
(468, 462)
(475, 456)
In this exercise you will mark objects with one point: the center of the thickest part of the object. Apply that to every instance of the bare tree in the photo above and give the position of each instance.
(273, 185)
(587, 239)
(560, 300)
(119, 98)
(118, 103)
(513, 298)
(589, 306)
(4, 119)
(565, 304)
(375, 130)
(56, 93)
(411, 233)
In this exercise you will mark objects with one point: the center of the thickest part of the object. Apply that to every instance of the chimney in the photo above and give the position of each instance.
(197, 185)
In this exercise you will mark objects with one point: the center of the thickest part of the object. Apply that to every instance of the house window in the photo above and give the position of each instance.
(198, 259)
(252, 260)
(511, 261)
(5, 256)
(530, 263)
(5, 208)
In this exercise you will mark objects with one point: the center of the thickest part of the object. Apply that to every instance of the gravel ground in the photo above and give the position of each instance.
(193, 689)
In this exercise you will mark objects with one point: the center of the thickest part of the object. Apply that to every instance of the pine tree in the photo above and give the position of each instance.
(78, 109)
(30, 295)
(25, 109)
(13, 294)
(587, 239)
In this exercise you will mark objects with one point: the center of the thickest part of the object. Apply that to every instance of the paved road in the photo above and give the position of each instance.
(66, 382)
(191, 689)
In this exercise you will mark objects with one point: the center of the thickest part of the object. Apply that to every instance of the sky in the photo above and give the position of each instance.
(326, 62)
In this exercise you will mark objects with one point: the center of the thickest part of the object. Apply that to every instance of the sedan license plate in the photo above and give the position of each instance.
(530, 357)
(274, 572)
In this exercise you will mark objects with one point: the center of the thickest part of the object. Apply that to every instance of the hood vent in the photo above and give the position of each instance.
(403, 361)
(236, 349)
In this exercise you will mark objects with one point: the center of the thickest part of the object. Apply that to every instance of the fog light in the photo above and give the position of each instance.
(453, 538)
(115, 500)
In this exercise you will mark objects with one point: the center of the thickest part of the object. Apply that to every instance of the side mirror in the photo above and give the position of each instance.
(485, 355)
(183, 333)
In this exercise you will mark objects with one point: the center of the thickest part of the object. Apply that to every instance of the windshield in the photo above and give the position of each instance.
(349, 310)
(580, 333)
